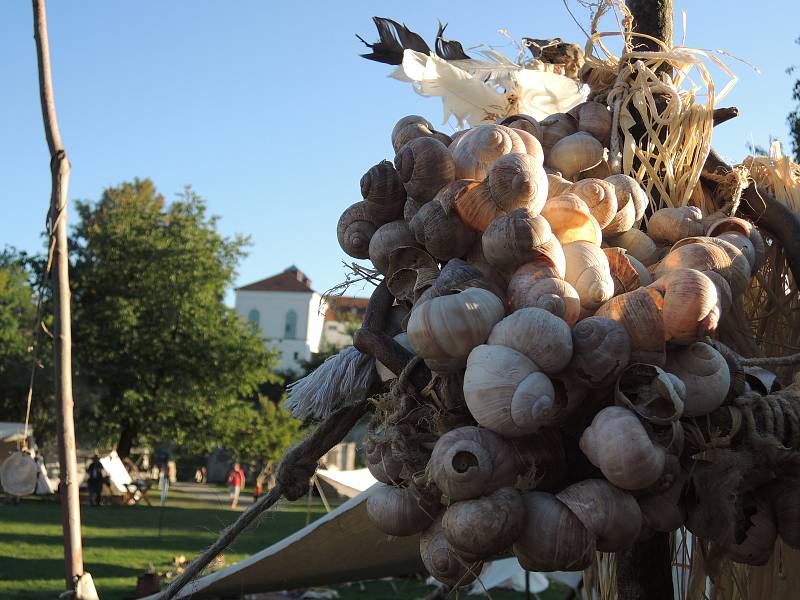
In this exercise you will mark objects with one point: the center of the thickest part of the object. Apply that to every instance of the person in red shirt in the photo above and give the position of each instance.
(236, 479)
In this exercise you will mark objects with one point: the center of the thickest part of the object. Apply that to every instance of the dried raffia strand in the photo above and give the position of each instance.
(730, 186)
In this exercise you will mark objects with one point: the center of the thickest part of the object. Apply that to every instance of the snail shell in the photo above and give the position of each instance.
(410, 208)
(468, 462)
(599, 196)
(617, 443)
(556, 127)
(574, 153)
(553, 538)
(385, 240)
(552, 294)
(626, 272)
(479, 147)
(690, 305)
(442, 561)
(485, 526)
(631, 203)
(542, 337)
(595, 119)
(444, 330)
(520, 237)
(708, 254)
(524, 123)
(437, 226)
(458, 275)
(380, 461)
(355, 230)
(600, 171)
(513, 181)
(665, 511)
(397, 510)
(673, 224)
(384, 193)
(556, 185)
(507, 393)
(737, 225)
(705, 374)
(743, 244)
(639, 312)
(425, 166)
(601, 350)
(637, 244)
(650, 392)
(570, 219)
(609, 513)
(589, 273)
(414, 126)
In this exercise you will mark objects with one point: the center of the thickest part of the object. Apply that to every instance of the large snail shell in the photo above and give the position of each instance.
(411, 208)
(532, 145)
(786, 508)
(556, 185)
(380, 460)
(626, 271)
(601, 349)
(705, 374)
(704, 254)
(637, 244)
(639, 312)
(542, 459)
(759, 541)
(628, 190)
(444, 330)
(355, 230)
(384, 193)
(442, 561)
(691, 308)
(458, 275)
(437, 226)
(479, 147)
(650, 392)
(425, 166)
(513, 181)
(574, 153)
(539, 335)
(507, 393)
(737, 225)
(385, 240)
(570, 219)
(609, 513)
(599, 196)
(525, 123)
(553, 538)
(673, 224)
(589, 273)
(552, 294)
(397, 510)
(600, 171)
(414, 126)
(556, 127)
(665, 511)
(618, 444)
(520, 237)
(742, 243)
(595, 119)
(468, 462)
(484, 526)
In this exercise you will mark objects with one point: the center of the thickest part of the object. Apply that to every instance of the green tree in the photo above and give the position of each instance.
(159, 355)
(794, 116)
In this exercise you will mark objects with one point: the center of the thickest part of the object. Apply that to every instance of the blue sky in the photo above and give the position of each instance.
(267, 110)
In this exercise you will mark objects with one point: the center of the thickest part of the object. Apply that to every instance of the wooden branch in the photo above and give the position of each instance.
(57, 224)
(725, 114)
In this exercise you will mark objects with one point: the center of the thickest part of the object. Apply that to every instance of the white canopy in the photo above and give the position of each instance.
(117, 473)
(347, 483)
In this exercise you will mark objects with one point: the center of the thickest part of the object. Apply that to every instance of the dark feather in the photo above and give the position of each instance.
(393, 39)
(448, 49)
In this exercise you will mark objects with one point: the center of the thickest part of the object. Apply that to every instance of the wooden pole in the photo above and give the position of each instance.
(57, 224)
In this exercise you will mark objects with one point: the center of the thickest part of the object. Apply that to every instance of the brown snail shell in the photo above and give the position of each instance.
(553, 538)
(556, 127)
(599, 196)
(380, 461)
(410, 208)
(520, 237)
(414, 126)
(513, 181)
(574, 153)
(589, 273)
(632, 201)
(442, 561)
(479, 147)
(609, 513)
(525, 123)
(397, 510)
(437, 226)
(384, 193)
(541, 336)
(705, 374)
(444, 330)
(469, 462)
(651, 393)
(690, 305)
(507, 393)
(595, 119)
(708, 254)
(601, 350)
(552, 294)
(600, 171)
(570, 219)
(617, 443)
(624, 272)
(636, 243)
(458, 275)
(485, 526)
(556, 185)
(737, 225)
(639, 312)
(386, 239)
(673, 224)
(425, 166)
(355, 230)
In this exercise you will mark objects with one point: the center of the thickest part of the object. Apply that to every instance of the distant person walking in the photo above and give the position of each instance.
(236, 479)
(95, 472)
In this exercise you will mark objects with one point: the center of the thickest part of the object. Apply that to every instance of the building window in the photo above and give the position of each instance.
(296, 355)
(254, 316)
(290, 330)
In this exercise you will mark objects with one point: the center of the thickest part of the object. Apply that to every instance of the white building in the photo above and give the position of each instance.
(293, 318)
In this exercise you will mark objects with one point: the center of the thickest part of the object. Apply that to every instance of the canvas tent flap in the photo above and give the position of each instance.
(347, 483)
(117, 473)
(341, 546)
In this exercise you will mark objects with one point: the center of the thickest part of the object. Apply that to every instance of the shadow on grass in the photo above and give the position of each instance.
(15, 569)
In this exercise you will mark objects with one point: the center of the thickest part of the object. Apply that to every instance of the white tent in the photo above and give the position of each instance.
(117, 473)
(347, 483)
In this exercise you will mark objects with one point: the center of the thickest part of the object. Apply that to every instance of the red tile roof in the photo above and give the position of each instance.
(338, 305)
(291, 280)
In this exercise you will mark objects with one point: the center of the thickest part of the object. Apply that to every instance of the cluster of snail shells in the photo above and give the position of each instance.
(522, 265)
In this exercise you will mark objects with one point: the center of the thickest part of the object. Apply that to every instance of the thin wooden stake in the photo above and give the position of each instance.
(57, 224)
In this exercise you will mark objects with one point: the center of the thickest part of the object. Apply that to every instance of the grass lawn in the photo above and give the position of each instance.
(120, 542)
